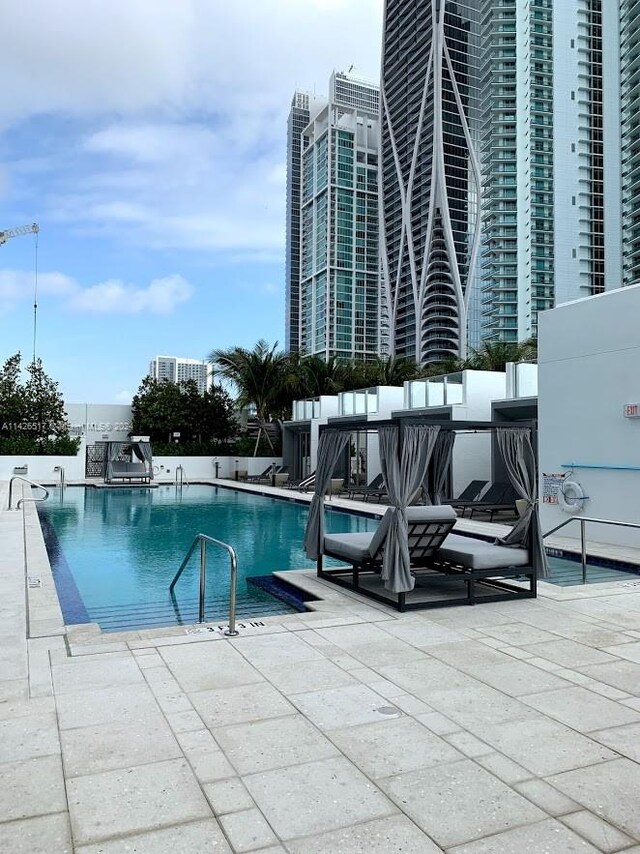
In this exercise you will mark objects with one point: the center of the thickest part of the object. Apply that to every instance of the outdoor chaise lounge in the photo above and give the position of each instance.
(304, 484)
(129, 471)
(470, 493)
(499, 498)
(376, 489)
(264, 475)
(439, 559)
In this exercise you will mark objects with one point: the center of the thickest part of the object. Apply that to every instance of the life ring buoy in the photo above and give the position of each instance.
(571, 497)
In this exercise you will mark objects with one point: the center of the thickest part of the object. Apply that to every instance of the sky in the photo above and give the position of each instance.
(148, 141)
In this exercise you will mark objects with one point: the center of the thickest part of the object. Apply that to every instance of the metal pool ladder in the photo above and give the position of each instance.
(181, 480)
(583, 540)
(203, 539)
(31, 483)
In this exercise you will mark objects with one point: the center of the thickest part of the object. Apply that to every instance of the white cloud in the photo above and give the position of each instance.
(124, 397)
(179, 111)
(161, 296)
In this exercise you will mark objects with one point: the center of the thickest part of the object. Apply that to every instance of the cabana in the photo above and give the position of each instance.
(455, 569)
(117, 468)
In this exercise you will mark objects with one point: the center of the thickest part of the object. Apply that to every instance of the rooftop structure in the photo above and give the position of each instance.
(334, 299)
(177, 370)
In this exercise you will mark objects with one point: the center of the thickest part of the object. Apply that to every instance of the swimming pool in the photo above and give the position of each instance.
(114, 552)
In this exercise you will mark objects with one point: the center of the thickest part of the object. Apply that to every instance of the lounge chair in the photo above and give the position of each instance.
(129, 471)
(265, 475)
(440, 562)
(302, 484)
(374, 489)
(500, 497)
(470, 493)
(428, 527)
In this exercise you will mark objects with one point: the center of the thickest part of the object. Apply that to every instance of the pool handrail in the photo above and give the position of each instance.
(31, 483)
(583, 542)
(183, 480)
(203, 539)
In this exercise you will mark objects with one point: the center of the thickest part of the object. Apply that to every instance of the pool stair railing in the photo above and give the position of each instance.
(202, 540)
(181, 478)
(583, 539)
(31, 483)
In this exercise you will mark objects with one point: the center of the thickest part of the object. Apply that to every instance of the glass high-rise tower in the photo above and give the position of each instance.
(630, 73)
(500, 164)
(430, 174)
(338, 283)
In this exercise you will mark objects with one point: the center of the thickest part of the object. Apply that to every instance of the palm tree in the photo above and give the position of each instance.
(392, 370)
(258, 376)
(494, 355)
(324, 377)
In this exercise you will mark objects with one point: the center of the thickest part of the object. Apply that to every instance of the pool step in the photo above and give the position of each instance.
(115, 618)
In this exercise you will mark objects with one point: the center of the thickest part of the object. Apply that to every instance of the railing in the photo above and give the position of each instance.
(61, 477)
(181, 480)
(583, 542)
(203, 539)
(31, 483)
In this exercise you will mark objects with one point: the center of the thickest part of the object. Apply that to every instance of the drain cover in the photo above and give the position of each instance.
(33, 581)
(389, 711)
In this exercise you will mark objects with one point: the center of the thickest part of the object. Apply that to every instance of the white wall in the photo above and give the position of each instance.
(589, 367)
(41, 469)
(203, 468)
(93, 421)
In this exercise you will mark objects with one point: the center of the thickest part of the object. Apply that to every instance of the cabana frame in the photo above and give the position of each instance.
(440, 582)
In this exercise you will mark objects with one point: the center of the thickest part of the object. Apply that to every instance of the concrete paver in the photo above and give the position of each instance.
(146, 797)
(199, 836)
(500, 729)
(274, 743)
(393, 835)
(316, 797)
(459, 801)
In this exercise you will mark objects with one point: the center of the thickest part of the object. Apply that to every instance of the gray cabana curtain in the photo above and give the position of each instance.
(439, 466)
(332, 443)
(112, 453)
(142, 451)
(403, 474)
(517, 452)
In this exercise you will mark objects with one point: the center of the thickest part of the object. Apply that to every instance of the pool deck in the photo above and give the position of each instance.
(506, 728)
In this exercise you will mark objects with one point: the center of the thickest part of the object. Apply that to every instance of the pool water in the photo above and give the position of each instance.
(114, 552)
(568, 573)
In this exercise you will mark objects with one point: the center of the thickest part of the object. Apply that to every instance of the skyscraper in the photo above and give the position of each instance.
(299, 116)
(339, 267)
(500, 165)
(549, 159)
(630, 61)
(430, 173)
(178, 370)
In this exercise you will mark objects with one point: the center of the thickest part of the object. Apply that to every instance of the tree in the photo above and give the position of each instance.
(156, 410)
(161, 408)
(32, 414)
(11, 396)
(392, 370)
(494, 355)
(259, 376)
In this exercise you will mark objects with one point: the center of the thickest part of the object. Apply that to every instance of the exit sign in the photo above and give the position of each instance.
(631, 410)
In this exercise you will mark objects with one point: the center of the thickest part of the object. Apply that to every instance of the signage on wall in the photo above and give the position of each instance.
(631, 410)
(551, 486)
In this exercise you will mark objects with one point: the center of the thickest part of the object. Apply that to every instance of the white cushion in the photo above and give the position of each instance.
(479, 554)
(360, 547)
(351, 547)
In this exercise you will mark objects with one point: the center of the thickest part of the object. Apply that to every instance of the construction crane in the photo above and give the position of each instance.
(34, 228)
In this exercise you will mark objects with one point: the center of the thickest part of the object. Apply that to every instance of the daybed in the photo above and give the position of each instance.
(448, 569)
